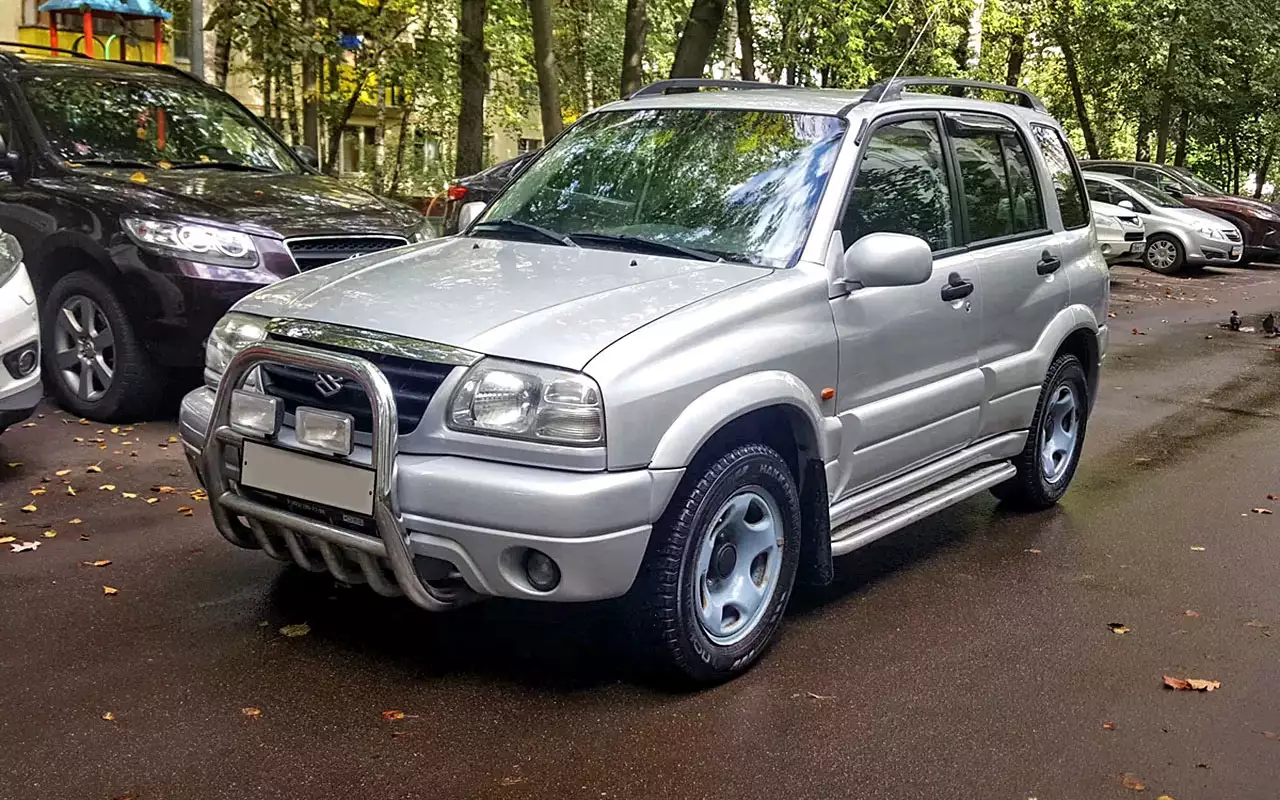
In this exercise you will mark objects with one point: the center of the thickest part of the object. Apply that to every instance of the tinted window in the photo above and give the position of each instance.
(901, 186)
(1098, 192)
(1066, 184)
(986, 186)
(1160, 180)
(1152, 194)
(1028, 211)
(1114, 169)
(743, 185)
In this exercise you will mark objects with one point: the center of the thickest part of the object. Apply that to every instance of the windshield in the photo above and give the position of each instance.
(1151, 194)
(1200, 184)
(739, 185)
(151, 122)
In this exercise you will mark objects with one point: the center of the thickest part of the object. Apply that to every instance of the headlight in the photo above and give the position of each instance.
(10, 257)
(1211, 233)
(528, 402)
(203, 243)
(233, 333)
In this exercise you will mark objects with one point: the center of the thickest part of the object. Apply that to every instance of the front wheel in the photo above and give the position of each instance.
(1048, 462)
(720, 566)
(1164, 254)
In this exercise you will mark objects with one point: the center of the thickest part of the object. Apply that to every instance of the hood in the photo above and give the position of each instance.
(1194, 218)
(267, 203)
(1229, 203)
(1113, 210)
(541, 303)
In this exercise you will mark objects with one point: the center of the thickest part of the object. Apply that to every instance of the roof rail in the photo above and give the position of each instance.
(694, 84)
(44, 48)
(892, 89)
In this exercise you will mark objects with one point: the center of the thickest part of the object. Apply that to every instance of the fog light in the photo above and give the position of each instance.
(326, 431)
(23, 361)
(542, 572)
(255, 414)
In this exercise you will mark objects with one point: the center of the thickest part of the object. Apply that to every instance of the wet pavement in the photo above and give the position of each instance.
(967, 656)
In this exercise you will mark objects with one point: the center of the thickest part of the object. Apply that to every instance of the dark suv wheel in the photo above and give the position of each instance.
(94, 364)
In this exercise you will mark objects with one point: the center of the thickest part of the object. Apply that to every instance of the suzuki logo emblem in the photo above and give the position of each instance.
(328, 385)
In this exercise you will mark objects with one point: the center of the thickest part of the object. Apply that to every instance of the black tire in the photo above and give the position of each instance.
(1030, 489)
(136, 386)
(1179, 262)
(671, 639)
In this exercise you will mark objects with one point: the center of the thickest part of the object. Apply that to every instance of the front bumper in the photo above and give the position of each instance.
(448, 528)
(1204, 250)
(19, 329)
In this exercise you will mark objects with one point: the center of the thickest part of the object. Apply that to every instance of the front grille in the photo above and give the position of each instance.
(412, 382)
(1134, 236)
(310, 252)
(1232, 234)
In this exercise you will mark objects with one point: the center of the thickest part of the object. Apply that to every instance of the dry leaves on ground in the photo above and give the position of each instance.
(151, 501)
(1262, 511)
(511, 780)
(1108, 726)
(129, 495)
(94, 468)
(110, 591)
(71, 490)
(23, 547)
(109, 717)
(1130, 781)
(163, 489)
(301, 629)
(251, 711)
(62, 472)
(49, 534)
(1191, 684)
(198, 494)
(186, 511)
(108, 487)
(7, 539)
(39, 490)
(1117, 627)
(100, 563)
(1190, 613)
(1197, 549)
(392, 716)
(1164, 797)
(74, 521)
(29, 508)
(1256, 623)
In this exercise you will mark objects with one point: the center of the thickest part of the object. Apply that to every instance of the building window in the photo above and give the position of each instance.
(528, 146)
(29, 14)
(351, 149)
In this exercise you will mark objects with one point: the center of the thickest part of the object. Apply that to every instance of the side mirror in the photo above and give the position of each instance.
(308, 155)
(1126, 204)
(888, 259)
(1173, 189)
(468, 214)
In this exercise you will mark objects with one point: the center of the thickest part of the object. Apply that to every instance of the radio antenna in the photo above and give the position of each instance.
(911, 50)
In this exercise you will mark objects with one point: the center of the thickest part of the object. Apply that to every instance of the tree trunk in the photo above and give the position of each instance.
(1166, 99)
(222, 56)
(1077, 96)
(1260, 177)
(1017, 55)
(544, 63)
(746, 40)
(406, 107)
(1143, 150)
(380, 140)
(337, 126)
(1235, 163)
(310, 95)
(697, 39)
(266, 100)
(973, 44)
(637, 31)
(1184, 125)
(291, 109)
(473, 79)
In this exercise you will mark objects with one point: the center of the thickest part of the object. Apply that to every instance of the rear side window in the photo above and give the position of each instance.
(902, 186)
(999, 186)
(1066, 177)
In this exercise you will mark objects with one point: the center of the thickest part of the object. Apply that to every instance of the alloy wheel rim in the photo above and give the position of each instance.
(1162, 254)
(84, 348)
(737, 566)
(1059, 433)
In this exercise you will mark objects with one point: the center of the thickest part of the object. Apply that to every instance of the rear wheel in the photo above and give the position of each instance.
(720, 567)
(1048, 462)
(1164, 254)
(94, 364)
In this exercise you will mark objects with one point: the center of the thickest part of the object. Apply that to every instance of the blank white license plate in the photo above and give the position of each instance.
(285, 472)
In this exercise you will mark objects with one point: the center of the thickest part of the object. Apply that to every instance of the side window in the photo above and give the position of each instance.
(1098, 192)
(901, 186)
(1072, 202)
(1028, 211)
(1114, 169)
(986, 186)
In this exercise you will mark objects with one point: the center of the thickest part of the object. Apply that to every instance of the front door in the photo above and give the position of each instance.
(909, 388)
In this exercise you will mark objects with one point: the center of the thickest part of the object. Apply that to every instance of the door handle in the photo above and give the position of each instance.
(1048, 263)
(956, 288)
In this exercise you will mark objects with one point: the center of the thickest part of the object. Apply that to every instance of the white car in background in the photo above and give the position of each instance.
(20, 389)
(1121, 233)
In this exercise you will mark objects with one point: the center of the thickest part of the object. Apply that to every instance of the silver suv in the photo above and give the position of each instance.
(704, 343)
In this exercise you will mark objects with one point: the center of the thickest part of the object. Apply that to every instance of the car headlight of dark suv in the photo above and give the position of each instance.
(203, 243)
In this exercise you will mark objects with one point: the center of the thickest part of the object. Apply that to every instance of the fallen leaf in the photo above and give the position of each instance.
(164, 165)
(1262, 511)
(813, 696)
(29, 508)
(15, 463)
(50, 534)
(251, 711)
(151, 501)
(1111, 315)
(39, 490)
(108, 487)
(1272, 735)
(125, 444)
(110, 590)
(391, 716)
(7, 539)
(163, 489)
(511, 780)
(1164, 797)
(1108, 726)
(301, 629)
(71, 490)
(1130, 781)
(1256, 623)
(29, 425)
(1117, 627)
(1273, 497)
(24, 547)
(1142, 460)
(101, 563)
(62, 472)
(93, 468)
(138, 177)
(84, 421)
(1032, 550)
(1198, 549)
(1137, 332)
(1190, 613)
(199, 494)
(129, 495)
(78, 439)
(84, 537)
(173, 440)
(186, 511)
(109, 717)
(1191, 684)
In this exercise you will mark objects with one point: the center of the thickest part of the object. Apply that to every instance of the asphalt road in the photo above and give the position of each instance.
(969, 656)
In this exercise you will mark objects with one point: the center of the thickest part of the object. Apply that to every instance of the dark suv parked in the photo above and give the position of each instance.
(147, 203)
(480, 188)
(1258, 221)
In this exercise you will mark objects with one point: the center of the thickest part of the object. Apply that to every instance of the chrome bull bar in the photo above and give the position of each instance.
(339, 549)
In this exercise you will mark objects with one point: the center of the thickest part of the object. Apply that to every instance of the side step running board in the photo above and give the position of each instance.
(865, 530)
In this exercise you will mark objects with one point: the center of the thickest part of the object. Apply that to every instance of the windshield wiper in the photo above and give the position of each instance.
(114, 162)
(520, 225)
(221, 165)
(651, 244)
